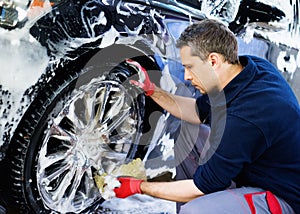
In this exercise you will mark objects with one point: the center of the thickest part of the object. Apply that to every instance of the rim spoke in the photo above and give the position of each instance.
(55, 174)
(117, 102)
(50, 160)
(115, 156)
(59, 138)
(123, 138)
(60, 133)
(102, 102)
(58, 194)
(76, 182)
(122, 117)
(78, 113)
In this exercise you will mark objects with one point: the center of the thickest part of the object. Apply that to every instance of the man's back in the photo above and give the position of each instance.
(268, 103)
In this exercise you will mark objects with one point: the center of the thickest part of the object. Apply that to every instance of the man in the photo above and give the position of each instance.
(257, 145)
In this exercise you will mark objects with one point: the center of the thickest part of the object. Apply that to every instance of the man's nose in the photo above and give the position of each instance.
(187, 74)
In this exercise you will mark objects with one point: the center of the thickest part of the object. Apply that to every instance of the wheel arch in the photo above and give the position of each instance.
(37, 111)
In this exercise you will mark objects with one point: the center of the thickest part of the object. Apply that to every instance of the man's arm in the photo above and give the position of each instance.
(179, 191)
(181, 107)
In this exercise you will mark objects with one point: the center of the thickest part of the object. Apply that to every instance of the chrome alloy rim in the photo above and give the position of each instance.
(93, 132)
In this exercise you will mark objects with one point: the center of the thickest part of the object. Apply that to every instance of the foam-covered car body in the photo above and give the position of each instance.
(67, 109)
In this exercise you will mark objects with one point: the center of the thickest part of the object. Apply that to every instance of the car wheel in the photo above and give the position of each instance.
(82, 122)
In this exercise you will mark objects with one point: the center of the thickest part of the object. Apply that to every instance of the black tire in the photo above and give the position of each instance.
(50, 142)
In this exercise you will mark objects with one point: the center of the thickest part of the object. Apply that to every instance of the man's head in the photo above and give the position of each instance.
(208, 51)
(209, 36)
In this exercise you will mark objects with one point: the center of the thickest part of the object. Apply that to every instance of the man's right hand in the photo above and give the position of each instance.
(144, 80)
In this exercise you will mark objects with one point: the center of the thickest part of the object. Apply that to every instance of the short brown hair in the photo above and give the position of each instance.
(209, 36)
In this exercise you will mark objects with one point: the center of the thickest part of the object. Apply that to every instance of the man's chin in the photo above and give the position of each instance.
(202, 91)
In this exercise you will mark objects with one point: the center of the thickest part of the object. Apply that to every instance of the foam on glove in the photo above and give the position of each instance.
(129, 186)
(144, 81)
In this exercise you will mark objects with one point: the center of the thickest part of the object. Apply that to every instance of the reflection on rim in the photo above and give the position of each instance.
(93, 132)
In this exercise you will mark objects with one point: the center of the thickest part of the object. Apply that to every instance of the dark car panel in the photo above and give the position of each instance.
(82, 116)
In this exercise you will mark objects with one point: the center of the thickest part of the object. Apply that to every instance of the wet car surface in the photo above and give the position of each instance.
(67, 108)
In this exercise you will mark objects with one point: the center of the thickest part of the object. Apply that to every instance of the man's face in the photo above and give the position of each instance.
(200, 73)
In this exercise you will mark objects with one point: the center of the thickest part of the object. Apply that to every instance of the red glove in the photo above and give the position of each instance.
(144, 81)
(129, 186)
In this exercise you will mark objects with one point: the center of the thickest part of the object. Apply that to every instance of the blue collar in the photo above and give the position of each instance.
(244, 78)
(235, 86)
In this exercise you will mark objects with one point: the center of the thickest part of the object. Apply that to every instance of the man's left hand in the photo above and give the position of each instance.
(129, 186)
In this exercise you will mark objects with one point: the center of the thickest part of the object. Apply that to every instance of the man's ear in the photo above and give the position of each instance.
(214, 59)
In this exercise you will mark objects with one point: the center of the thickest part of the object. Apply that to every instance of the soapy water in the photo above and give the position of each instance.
(29, 59)
(139, 204)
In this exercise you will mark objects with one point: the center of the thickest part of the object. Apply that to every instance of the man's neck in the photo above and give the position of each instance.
(230, 71)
